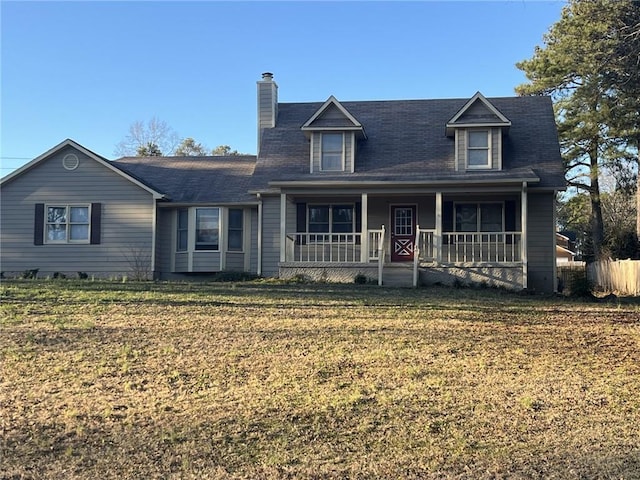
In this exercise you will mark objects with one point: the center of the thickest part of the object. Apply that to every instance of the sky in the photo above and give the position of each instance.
(88, 70)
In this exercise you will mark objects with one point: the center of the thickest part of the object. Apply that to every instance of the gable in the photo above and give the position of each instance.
(477, 112)
(332, 115)
(68, 162)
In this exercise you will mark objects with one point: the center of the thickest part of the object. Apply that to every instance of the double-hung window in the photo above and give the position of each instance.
(479, 217)
(332, 152)
(234, 230)
(67, 223)
(330, 219)
(478, 149)
(182, 234)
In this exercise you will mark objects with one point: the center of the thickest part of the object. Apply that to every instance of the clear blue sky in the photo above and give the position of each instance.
(88, 70)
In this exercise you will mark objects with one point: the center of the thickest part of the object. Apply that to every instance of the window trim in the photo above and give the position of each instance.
(478, 215)
(195, 231)
(68, 223)
(342, 152)
(331, 206)
(488, 149)
(179, 230)
(230, 228)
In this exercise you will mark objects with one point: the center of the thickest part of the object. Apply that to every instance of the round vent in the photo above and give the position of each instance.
(70, 161)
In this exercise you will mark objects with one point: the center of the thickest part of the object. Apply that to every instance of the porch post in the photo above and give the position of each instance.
(523, 234)
(437, 238)
(364, 229)
(283, 227)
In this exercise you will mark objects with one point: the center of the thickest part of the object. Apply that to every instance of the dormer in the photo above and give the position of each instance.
(332, 132)
(478, 128)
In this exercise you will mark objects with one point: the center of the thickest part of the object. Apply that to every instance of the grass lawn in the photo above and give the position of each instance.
(271, 381)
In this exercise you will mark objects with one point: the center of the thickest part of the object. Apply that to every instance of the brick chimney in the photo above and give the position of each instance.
(267, 104)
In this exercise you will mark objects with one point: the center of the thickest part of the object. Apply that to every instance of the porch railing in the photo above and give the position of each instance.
(333, 247)
(482, 247)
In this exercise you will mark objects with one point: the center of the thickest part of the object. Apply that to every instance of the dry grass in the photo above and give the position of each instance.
(254, 381)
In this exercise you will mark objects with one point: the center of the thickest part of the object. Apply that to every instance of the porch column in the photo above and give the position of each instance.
(437, 238)
(523, 234)
(283, 227)
(364, 229)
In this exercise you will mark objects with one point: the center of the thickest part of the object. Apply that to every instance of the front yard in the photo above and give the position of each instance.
(265, 380)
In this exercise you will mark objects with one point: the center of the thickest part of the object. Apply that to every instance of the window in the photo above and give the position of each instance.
(331, 218)
(207, 228)
(182, 234)
(478, 154)
(332, 151)
(479, 217)
(67, 224)
(234, 230)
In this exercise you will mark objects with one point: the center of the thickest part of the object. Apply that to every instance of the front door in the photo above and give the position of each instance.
(403, 221)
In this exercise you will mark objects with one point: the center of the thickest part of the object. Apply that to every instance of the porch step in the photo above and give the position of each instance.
(397, 275)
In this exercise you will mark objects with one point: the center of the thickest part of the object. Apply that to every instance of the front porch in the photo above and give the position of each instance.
(491, 258)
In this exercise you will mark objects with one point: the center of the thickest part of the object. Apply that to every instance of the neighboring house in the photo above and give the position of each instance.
(401, 192)
(565, 250)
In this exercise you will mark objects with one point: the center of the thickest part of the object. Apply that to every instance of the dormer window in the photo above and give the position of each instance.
(478, 149)
(332, 132)
(332, 152)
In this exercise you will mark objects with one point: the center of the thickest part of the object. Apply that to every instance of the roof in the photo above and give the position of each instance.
(406, 140)
(212, 179)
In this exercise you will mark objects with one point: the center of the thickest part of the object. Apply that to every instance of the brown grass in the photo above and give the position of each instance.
(254, 381)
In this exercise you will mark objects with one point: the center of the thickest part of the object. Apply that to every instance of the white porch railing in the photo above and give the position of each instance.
(333, 247)
(483, 247)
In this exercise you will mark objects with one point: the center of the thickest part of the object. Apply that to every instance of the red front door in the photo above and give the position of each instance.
(403, 222)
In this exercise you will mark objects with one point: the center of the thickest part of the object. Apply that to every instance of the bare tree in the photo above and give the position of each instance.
(154, 132)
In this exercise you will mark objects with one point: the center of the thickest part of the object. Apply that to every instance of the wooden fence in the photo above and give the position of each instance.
(621, 277)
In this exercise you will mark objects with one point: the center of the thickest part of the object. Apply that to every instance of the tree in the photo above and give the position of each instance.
(155, 132)
(189, 148)
(148, 150)
(580, 67)
(224, 150)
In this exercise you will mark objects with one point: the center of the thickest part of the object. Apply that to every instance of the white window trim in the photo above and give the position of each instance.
(195, 229)
(67, 240)
(478, 219)
(489, 149)
(342, 154)
(243, 230)
(330, 206)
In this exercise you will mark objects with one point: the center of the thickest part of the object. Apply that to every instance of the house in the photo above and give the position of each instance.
(401, 192)
(565, 248)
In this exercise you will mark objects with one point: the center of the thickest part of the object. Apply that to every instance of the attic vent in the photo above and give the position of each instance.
(70, 161)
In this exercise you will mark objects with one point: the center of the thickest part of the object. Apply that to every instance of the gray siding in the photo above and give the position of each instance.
(253, 235)
(235, 262)
(206, 261)
(165, 237)
(541, 242)
(271, 236)
(126, 220)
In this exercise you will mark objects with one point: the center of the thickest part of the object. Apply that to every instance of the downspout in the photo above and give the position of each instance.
(523, 241)
(154, 229)
(259, 272)
(555, 250)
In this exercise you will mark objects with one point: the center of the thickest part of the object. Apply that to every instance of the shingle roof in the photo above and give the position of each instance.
(194, 179)
(407, 141)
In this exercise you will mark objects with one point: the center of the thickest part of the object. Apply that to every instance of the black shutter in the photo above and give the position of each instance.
(509, 218)
(301, 222)
(358, 214)
(38, 225)
(96, 218)
(447, 219)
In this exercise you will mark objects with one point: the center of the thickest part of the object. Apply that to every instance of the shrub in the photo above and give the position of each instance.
(30, 274)
(360, 279)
